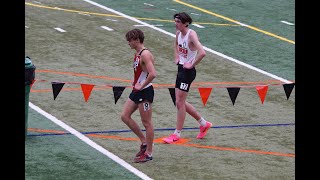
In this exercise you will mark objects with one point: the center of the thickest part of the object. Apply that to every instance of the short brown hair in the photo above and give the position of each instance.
(183, 16)
(135, 34)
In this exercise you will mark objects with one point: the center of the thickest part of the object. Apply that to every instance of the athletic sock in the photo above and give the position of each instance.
(202, 122)
(177, 132)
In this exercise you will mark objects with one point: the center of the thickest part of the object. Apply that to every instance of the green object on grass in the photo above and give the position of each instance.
(29, 78)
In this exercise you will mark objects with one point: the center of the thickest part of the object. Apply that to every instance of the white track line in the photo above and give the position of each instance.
(141, 25)
(173, 35)
(59, 29)
(107, 28)
(90, 142)
(112, 20)
(197, 25)
(286, 22)
(196, 14)
(148, 4)
(171, 9)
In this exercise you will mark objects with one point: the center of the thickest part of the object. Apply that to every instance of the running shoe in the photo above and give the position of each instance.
(143, 158)
(143, 149)
(204, 130)
(172, 138)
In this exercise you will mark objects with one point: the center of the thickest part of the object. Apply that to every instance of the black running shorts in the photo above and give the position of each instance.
(145, 94)
(185, 77)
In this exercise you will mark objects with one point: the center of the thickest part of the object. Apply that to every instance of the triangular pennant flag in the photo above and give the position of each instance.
(204, 93)
(173, 95)
(288, 89)
(86, 90)
(262, 91)
(233, 93)
(56, 88)
(117, 92)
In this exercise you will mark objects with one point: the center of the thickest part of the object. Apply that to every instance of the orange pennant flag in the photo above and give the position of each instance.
(86, 90)
(204, 93)
(262, 91)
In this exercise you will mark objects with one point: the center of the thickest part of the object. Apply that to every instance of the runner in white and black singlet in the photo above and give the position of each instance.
(188, 53)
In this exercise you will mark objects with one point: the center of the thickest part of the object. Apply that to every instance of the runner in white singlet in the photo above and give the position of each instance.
(185, 53)
(188, 53)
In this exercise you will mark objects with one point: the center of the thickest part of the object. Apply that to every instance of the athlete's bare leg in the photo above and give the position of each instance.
(129, 108)
(145, 110)
(181, 107)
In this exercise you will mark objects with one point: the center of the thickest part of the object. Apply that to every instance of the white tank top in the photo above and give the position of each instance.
(185, 53)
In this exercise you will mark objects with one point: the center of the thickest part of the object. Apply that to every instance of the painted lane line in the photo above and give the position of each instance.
(57, 8)
(141, 25)
(241, 24)
(286, 22)
(111, 19)
(59, 29)
(207, 49)
(89, 142)
(107, 28)
(197, 25)
(85, 14)
(196, 14)
(148, 4)
(234, 21)
(171, 9)
(58, 133)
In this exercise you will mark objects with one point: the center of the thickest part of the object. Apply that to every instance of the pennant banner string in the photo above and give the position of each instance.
(195, 85)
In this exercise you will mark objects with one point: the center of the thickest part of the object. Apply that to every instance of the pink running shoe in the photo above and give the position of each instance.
(203, 130)
(172, 138)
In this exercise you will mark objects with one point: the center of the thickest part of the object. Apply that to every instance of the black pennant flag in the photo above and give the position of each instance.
(56, 88)
(117, 92)
(288, 89)
(233, 93)
(173, 95)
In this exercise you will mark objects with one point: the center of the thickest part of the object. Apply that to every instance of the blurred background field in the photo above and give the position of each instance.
(249, 140)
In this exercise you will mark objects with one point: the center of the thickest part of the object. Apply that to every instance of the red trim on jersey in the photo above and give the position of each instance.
(137, 69)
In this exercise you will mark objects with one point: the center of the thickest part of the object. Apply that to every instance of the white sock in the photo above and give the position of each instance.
(177, 132)
(202, 122)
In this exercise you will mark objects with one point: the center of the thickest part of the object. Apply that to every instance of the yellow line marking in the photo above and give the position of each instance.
(234, 21)
(117, 16)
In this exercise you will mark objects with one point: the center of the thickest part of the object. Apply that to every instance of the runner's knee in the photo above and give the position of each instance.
(125, 118)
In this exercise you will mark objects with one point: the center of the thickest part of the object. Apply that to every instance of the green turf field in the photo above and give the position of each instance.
(249, 140)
